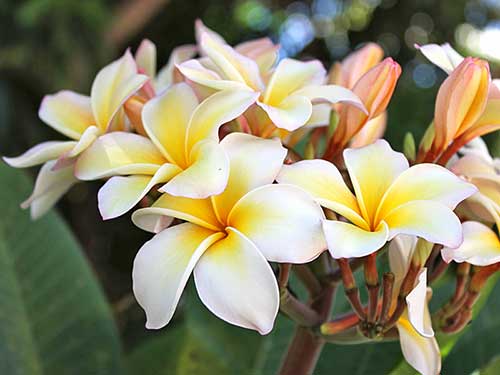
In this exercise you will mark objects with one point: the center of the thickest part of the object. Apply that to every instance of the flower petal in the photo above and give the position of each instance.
(215, 111)
(283, 221)
(425, 182)
(118, 153)
(349, 241)
(372, 170)
(237, 284)
(400, 252)
(162, 268)
(166, 120)
(206, 175)
(422, 353)
(112, 86)
(290, 114)
(432, 221)
(443, 56)
(119, 194)
(145, 58)
(247, 173)
(40, 153)
(291, 75)
(418, 313)
(67, 112)
(331, 94)
(89, 135)
(324, 182)
(374, 129)
(50, 186)
(481, 246)
(165, 76)
(196, 211)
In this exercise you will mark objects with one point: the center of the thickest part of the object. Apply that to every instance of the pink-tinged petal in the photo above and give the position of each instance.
(118, 153)
(50, 186)
(194, 71)
(425, 182)
(215, 111)
(120, 194)
(418, 313)
(480, 207)
(291, 75)
(263, 51)
(290, 114)
(67, 112)
(374, 129)
(145, 58)
(372, 170)
(112, 86)
(443, 56)
(166, 75)
(422, 353)
(206, 175)
(162, 268)
(481, 246)
(432, 221)
(331, 94)
(349, 241)
(247, 173)
(166, 120)
(324, 182)
(40, 153)
(472, 164)
(196, 211)
(283, 221)
(234, 66)
(237, 284)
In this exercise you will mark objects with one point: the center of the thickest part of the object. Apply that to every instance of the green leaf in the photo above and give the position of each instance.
(54, 318)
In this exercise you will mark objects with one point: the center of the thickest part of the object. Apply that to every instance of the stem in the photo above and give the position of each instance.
(350, 288)
(308, 278)
(387, 286)
(299, 312)
(372, 285)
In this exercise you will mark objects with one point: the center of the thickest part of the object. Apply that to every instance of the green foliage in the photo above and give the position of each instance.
(54, 318)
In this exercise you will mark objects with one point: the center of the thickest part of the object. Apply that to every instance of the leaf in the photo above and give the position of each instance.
(54, 318)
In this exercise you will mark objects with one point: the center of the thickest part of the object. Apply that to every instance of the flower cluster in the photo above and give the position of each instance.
(207, 148)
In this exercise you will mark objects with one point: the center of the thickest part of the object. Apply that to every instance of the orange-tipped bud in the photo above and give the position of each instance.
(355, 65)
(133, 110)
(460, 102)
(375, 89)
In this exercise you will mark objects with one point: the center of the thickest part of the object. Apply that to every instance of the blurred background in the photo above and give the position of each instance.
(49, 45)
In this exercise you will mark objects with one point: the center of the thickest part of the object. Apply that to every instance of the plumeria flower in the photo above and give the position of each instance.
(416, 336)
(478, 167)
(182, 152)
(228, 240)
(286, 97)
(390, 199)
(83, 119)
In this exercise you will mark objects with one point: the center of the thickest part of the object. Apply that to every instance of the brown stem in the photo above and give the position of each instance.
(372, 285)
(284, 274)
(387, 286)
(350, 288)
(308, 278)
(299, 312)
(438, 271)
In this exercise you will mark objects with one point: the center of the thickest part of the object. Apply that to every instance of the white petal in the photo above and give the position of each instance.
(417, 306)
(162, 268)
(145, 57)
(237, 284)
(40, 153)
(290, 114)
(331, 94)
(444, 56)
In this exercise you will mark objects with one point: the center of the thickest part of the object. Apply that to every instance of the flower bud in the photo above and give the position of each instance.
(133, 110)
(460, 101)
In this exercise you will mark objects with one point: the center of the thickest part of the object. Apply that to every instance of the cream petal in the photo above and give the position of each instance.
(162, 268)
(472, 164)
(481, 246)
(331, 94)
(324, 182)
(196, 211)
(40, 153)
(425, 182)
(263, 51)
(165, 76)
(320, 115)
(67, 112)
(290, 114)
(145, 58)
(291, 75)
(215, 111)
(422, 353)
(206, 175)
(166, 120)
(120, 194)
(401, 250)
(112, 86)
(50, 186)
(349, 241)
(237, 284)
(372, 170)
(443, 56)
(194, 71)
(283, 221)
(432, 221)
(247, 173)
(88, 137)
(418, 313)
(374, 129)
(118, 153)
